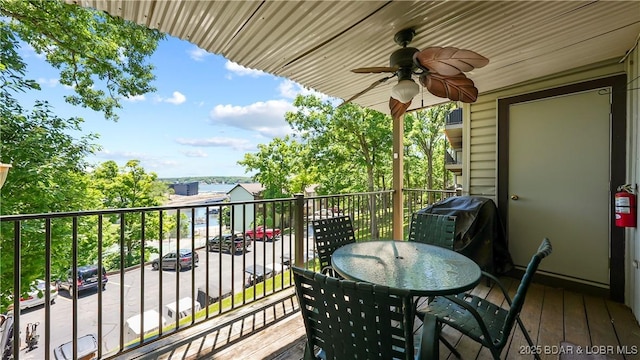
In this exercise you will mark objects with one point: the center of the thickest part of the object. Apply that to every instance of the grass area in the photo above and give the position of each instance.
(241, 298)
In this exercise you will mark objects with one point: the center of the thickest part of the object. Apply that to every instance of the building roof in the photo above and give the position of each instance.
(252, 188)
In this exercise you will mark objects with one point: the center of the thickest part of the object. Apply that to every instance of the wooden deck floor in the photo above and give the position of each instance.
(606, 329)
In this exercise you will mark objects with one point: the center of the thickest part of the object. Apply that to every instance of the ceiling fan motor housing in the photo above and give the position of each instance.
(403, 59)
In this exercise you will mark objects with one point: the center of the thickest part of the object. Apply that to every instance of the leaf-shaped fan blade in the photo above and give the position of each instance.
(376, 83)
(449, 61)
(398, 108)
(376, 70)
(456, 88)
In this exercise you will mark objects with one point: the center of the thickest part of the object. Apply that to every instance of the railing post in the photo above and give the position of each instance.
(299, 230)
(398, 173)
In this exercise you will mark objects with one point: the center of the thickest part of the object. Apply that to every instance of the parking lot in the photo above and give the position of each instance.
(225, 273)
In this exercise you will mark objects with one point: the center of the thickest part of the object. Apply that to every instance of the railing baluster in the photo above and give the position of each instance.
(47, 294)
(143, 226)
(192, 269)
(100, 270)
(74, 276)
(206, 263)
(122, 261)
(177, 298)
(160, 271)
(17, 275)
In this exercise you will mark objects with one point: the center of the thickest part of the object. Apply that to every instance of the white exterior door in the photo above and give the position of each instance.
(559, 173)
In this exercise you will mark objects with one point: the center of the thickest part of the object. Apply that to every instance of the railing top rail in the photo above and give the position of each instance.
(136, 209)
(4, 218)
(433, 191)
(349, 194)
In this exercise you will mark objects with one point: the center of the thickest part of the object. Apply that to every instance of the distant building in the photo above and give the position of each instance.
(187, 189)
(244, 192)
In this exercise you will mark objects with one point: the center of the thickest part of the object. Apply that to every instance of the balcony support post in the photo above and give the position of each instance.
(398, 171)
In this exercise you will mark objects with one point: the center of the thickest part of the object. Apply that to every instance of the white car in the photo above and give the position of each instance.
(36, 295)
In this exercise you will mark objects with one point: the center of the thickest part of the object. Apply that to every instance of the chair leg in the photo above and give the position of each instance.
(307, 353)
(429, 348)
(526, 336)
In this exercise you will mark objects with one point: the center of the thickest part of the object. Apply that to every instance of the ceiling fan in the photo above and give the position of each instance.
(439, 69)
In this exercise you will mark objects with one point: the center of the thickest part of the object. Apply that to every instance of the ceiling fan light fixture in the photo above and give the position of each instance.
(405, 90)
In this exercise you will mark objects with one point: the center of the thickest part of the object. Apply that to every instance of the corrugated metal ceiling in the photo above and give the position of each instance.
(316, 43)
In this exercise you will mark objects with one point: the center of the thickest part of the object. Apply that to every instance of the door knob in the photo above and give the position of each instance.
(514, 197)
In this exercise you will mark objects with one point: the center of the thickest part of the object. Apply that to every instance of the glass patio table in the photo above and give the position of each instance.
(424, 270)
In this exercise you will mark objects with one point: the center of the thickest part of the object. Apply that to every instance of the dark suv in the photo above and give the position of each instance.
(87, 278)
(231, 243)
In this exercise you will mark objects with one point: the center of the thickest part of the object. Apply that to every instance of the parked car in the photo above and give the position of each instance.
(232, 243)
(87, 349)
(262, 233)
(258, 273)
(35, 296)
(86, 278)
(184, 258)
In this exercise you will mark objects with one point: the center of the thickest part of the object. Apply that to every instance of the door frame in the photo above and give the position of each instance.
(618, 131)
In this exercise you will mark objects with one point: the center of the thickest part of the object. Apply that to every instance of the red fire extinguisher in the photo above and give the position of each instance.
(625, 206)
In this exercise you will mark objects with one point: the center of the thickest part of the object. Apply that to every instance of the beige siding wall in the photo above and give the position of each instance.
(480, 130)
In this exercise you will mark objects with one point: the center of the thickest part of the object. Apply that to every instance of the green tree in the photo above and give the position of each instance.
(424, 134)
(48, 173)
(350, 144)
(101, 57)
(275, 164)
(130, 187)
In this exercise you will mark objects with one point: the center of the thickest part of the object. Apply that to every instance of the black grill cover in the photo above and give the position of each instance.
(479, 231)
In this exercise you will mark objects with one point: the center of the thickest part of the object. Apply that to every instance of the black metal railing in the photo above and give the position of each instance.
(416, 199)
(138, 304)
(451, 159)
(454, 117)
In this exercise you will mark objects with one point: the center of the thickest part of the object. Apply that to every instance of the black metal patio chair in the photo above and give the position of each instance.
(434, 229)
(482, 321)
(329, 235)
(344, 319)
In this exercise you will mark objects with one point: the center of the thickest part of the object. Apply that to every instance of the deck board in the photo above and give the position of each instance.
(600, 325)
(575, 319)
(626, 331)
(530, 316)
(551, 316)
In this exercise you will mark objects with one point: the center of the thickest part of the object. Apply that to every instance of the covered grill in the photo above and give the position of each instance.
(479, 233)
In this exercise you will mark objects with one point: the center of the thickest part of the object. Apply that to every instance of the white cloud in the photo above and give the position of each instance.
(267, 118)
(198, 54)
(241, 70)
(135, 98)
(290, 89)
(195, 153)
(177, 98)
(122, 155)
(236, 144)
(146, 160)
(51, 82)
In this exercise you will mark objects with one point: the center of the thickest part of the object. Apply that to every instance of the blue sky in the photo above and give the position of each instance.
(205, 114)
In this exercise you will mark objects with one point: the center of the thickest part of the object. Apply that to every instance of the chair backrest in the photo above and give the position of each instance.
(354, 320)
(518, 300)
(330, 234)
(434, 229)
